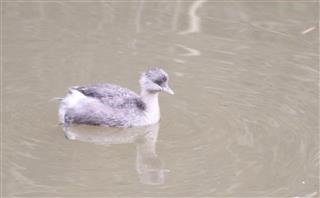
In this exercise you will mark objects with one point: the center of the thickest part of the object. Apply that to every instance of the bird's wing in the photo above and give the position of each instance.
(112, 95)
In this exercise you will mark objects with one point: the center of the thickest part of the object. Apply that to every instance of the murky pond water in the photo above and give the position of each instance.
(244, 120)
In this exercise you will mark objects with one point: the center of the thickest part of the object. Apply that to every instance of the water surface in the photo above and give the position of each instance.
(244, 120)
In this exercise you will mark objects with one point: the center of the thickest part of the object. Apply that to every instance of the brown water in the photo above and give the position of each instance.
(244, 120)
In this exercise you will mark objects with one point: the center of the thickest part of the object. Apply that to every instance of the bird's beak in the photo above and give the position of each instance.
(168, 90)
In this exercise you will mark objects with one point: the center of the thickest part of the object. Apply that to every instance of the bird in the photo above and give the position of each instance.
(116, 106)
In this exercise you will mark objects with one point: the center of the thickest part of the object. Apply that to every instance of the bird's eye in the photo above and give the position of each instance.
(158, 82)
(164, 79)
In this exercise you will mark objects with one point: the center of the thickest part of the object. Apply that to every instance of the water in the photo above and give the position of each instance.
(244, 120)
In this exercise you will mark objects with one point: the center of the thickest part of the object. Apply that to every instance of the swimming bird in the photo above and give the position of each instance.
(116, 106)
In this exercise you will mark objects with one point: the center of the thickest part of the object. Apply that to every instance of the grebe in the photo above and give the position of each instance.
(116, 106)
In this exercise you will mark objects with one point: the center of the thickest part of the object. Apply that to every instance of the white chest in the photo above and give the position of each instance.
(152, 112)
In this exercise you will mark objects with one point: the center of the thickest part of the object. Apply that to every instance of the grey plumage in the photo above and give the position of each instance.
(113, 95)
(113, 105)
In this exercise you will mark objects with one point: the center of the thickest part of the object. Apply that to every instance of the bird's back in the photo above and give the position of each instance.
(107, 104)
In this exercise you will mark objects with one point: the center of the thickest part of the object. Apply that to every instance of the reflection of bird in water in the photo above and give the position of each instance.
(116, 106)
(148, 165)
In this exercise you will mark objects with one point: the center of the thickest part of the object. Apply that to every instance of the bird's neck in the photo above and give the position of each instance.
(152, 111)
